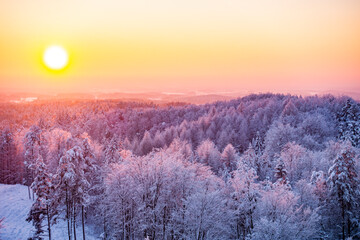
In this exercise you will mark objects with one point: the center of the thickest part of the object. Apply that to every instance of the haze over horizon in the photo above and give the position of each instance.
(255, 46)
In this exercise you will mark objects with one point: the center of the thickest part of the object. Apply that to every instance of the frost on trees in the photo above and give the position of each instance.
(8, 161)
(32, 144)
(244, 198)
(216, 171)
(44, 207)
(343, 183)
(73, 176)
(349, 123)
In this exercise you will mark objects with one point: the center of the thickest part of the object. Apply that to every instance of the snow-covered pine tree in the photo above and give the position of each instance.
(88, 169)
(66, 177)
(349, 123)
(258, 144)
(97, 206)
(8, 166)
(111, 151)
(245, 194)
(343, 183)
(73, 176)
(43, 207)
(259, 159)
(281, 173)
(31, 147)
(356, 136)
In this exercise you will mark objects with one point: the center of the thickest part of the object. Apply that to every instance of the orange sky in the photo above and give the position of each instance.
(182, 45)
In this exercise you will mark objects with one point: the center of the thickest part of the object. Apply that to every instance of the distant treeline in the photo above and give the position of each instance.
(259, 167)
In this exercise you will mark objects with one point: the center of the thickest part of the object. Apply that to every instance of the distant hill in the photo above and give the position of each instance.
(156, 97)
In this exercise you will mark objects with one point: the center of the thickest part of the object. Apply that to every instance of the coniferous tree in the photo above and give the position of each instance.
(8, 164)
(66, 182)
(245, 194)
(86, 179)
(281, 173)
(32, 143)
(73, 189)
(349, 123)
(43, 207)
(344, 190)
(111, 151)
(258, 144)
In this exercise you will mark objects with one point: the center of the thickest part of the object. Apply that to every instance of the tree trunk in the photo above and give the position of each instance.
(132, 232)
(105, 235)
(349, 226)
(164, 223)
(29, 192)
(48, 221)
(124, 228)
(68, 214)
(71, 220)
(237, 229)
(74, 217)
(343, 221)
(82, 220)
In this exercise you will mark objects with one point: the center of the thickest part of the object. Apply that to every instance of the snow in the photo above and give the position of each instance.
(15, 206)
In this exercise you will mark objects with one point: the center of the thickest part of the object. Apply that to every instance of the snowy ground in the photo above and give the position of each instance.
(14, 207)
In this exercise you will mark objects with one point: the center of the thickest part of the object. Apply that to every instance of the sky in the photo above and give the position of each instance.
(182, 45)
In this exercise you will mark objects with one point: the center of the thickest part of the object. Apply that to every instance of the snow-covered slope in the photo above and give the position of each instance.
(14, 207)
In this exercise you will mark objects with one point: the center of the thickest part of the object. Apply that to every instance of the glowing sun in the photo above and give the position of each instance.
(55, 57)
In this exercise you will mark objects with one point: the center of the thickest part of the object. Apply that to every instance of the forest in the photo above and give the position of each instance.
(264, 166)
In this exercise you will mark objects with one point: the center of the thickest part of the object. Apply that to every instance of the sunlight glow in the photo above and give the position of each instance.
(55, 57)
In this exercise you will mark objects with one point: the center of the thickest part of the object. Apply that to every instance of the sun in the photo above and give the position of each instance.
(56, 57)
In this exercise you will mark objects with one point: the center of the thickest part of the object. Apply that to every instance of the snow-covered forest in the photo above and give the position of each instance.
(263, 166)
